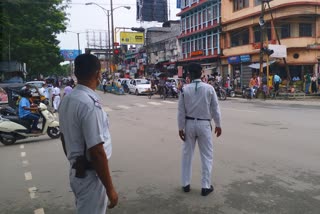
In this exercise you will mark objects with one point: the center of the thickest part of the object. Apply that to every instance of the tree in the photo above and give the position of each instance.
(28, 33)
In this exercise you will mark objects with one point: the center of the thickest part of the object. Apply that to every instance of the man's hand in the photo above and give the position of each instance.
(218, 131)
(113, 198)
(182, 135)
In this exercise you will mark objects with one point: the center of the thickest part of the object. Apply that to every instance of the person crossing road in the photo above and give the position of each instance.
(197, 106)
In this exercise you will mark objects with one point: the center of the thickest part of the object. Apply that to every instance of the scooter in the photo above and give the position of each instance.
(12, 128)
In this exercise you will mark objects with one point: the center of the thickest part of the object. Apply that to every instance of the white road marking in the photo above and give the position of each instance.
(140, 105)
(28, 176)
(39, 211)
(170, 102)
(23, 154)
(154, 103)
(32, 192)
(25, 163)
(107, 108)
(241, 110)
(122, 106)
(22, 146)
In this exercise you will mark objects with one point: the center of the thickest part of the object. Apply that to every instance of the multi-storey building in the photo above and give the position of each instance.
(162, 43)
(200, 34)
(296, 22)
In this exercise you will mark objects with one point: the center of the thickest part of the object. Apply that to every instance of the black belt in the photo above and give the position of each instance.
(192, 118)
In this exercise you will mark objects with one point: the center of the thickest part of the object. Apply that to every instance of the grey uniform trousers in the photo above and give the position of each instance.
(90, 194)
(201, 132)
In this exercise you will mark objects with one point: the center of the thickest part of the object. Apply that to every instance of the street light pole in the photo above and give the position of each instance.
(108, 14)
(78, 43)
(112, 27)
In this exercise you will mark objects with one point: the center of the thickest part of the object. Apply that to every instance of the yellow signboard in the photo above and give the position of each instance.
(131, 38)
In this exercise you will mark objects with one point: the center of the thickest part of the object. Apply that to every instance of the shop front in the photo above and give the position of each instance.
(238, 69)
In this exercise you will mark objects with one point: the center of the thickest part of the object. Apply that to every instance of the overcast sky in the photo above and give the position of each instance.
(90, 17)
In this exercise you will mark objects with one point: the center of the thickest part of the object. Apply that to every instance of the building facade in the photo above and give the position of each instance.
(297, 24)
(200, 31)
(162, 46)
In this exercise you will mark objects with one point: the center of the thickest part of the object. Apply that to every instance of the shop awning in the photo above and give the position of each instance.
(257, 65)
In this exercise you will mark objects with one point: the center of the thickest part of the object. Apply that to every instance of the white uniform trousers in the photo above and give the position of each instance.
(90, 194)
(56, 102)
(197, 131)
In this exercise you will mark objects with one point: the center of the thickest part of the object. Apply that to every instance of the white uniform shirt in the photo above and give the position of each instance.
(201, 103)
(56, 91)
(82, 120)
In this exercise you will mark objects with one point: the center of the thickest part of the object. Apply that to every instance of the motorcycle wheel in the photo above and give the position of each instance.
(232, 94)
(7, 141)
(223, 95)
(54, 132)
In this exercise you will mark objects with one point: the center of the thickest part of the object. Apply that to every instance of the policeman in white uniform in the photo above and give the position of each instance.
(86, 140)
(198, 105)
(56, 98)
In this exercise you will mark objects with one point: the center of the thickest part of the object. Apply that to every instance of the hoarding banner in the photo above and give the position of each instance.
(69, 55)
(131, 38)
(280, 51)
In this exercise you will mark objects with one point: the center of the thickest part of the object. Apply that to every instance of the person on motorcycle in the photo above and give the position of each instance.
(25, 109)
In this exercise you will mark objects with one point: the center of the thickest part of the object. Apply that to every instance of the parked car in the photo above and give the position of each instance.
(139, 86)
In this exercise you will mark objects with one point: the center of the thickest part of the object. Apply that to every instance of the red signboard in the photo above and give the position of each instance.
(196, 53)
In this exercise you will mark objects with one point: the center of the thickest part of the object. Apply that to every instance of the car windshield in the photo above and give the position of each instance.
(142, 82)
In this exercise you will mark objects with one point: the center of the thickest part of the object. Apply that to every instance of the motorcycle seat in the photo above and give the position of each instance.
(24, 122)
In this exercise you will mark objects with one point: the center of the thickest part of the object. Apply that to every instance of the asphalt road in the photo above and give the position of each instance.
(267, 161)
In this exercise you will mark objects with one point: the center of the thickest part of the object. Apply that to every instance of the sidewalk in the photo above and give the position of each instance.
(307, 101)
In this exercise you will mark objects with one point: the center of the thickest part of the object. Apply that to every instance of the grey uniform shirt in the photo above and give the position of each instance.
(200, 102)
(83, 121)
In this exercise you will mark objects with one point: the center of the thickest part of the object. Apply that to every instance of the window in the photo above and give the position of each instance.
(187, 23)
(305, 30)
(285, 31)
(209, 15)
(240, 37)
(240, 4)
(191, 22)
(204, 18)
(257, 2)
(256, 31)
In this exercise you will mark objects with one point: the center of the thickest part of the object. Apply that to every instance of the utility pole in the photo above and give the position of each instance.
(78, 43)
(112, 28)
(262, 28)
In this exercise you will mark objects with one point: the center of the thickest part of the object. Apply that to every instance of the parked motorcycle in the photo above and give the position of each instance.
(12, 128)
(230, 92)
(170, 91)
(246, 92)
(221, 93)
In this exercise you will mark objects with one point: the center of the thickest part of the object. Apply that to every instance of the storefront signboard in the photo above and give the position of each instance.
(234, 60)
(245, 58)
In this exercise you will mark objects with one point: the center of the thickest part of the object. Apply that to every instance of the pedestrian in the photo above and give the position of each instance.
(307, 83)
(314, 84)
(56, 97)
(86, 140)
(67, 90)
(253, 85)
(104, 85)
(276, 82)
(198, 105)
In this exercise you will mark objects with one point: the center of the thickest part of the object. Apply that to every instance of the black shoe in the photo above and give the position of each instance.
(206, 191)
(186, 188)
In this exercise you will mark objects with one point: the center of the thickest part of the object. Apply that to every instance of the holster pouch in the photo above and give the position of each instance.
(81, 165)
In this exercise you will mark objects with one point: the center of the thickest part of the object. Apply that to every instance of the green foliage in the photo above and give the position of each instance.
(31, 26)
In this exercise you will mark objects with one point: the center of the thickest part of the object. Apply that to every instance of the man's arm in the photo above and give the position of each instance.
(63, 144)
(216, 114)
(181, 116)
(99, 162)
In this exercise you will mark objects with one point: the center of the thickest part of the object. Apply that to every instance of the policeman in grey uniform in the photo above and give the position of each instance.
(198, 105)
(86, 140)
